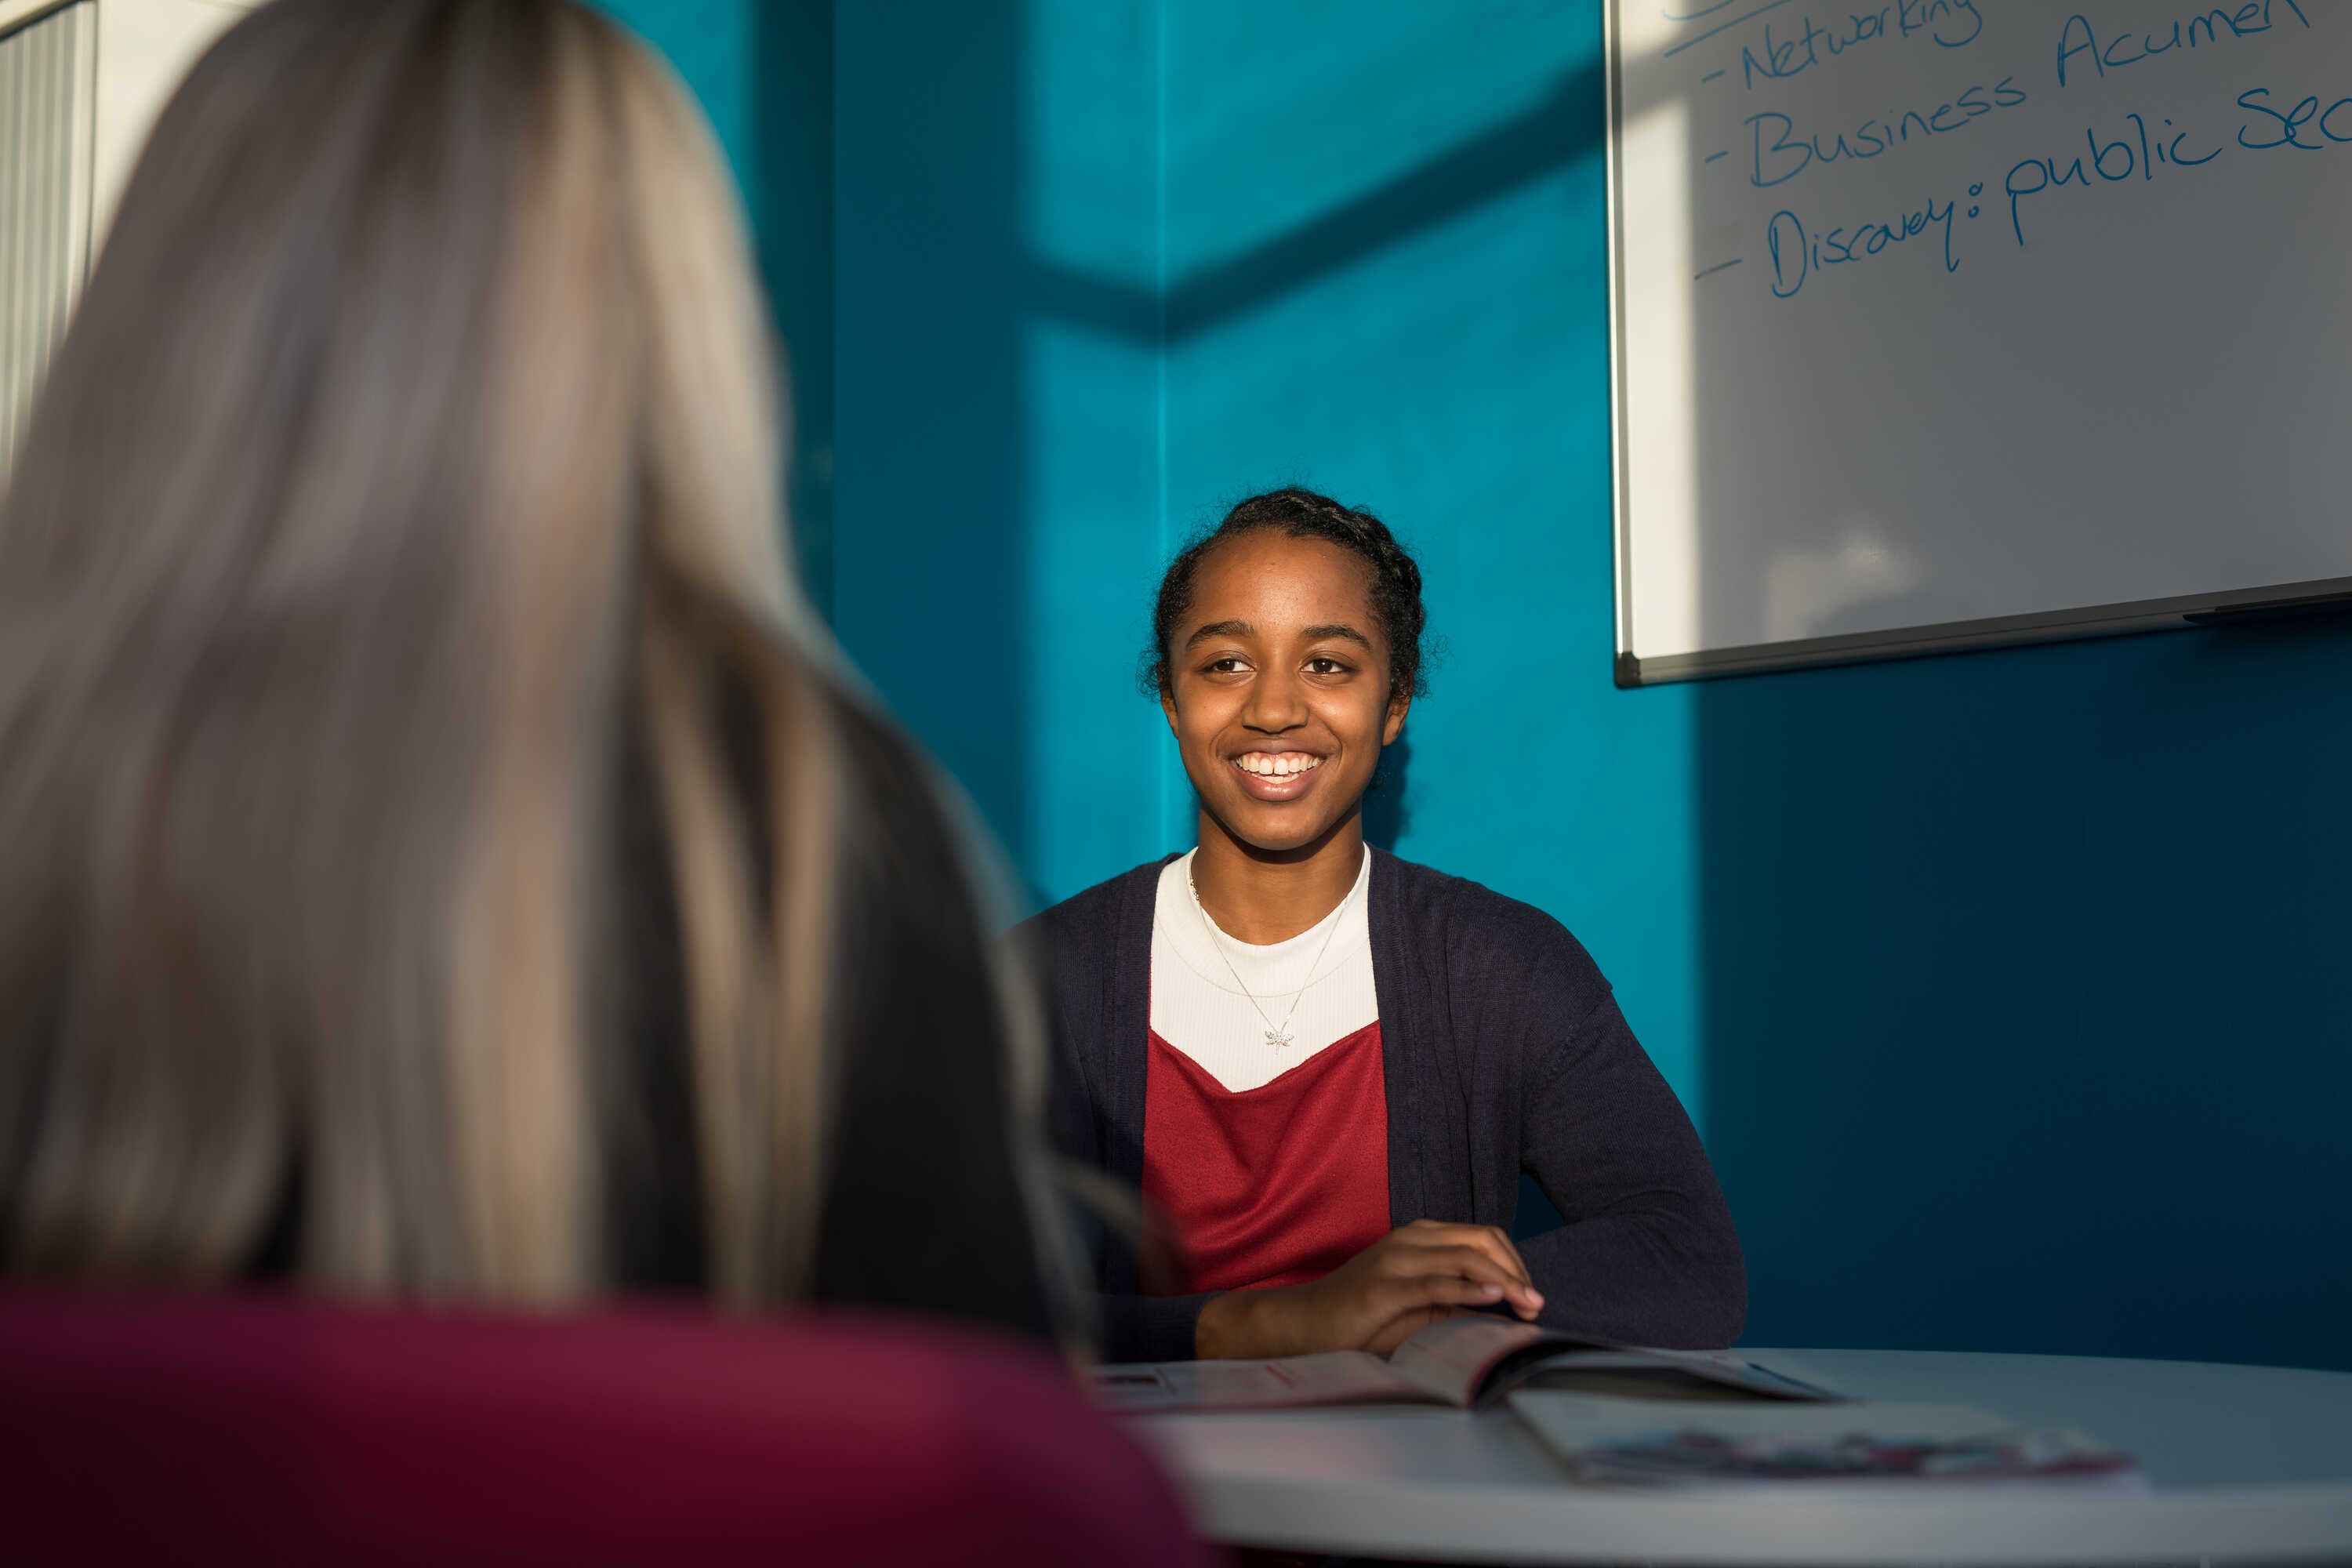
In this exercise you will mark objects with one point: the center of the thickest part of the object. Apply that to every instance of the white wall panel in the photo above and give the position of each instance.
(80, 87)
(45, 145)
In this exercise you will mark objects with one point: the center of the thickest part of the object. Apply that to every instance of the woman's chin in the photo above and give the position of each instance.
(1269, 828)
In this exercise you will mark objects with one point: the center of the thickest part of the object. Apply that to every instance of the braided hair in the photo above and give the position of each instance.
(1303, 514)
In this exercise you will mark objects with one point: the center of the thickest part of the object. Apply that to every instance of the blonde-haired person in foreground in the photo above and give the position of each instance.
(435, 858)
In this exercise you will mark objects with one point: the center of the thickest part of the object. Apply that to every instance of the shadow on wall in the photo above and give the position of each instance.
(1561, 128)
(1388, 810)
(2029, 1008)
(932, 479)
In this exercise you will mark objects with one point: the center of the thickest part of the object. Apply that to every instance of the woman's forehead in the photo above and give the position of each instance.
(1276, 581)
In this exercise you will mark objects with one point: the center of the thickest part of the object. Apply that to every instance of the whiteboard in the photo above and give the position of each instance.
(1946, 322)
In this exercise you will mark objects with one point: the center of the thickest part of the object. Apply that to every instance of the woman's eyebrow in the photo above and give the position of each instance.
(1220, 629)
(1337, 629)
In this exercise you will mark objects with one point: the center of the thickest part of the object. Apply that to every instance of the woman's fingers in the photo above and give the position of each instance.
(1467, 1261)
(1417, 1274)
(1488, 1243)
(1485, 1237)
(1422, 1299)
(1405, 1304)
(1440, 1289)
(1470, 1263)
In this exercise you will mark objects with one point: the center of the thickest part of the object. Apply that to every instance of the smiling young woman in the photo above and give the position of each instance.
(1325, 1067)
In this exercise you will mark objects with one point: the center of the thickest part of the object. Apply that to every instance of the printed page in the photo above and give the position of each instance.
(1290, 1383)
(1864, 1446)
(1472, 1358)
(1654, 1373)
(1455, 1358)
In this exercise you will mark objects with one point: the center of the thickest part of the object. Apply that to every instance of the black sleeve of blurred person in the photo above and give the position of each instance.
(923, 1211)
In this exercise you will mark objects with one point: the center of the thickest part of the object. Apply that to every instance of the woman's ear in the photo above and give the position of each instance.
(1399, 705)
(1168, 709)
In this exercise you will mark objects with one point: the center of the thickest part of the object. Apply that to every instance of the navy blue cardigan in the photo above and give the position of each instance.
(1503, 1052)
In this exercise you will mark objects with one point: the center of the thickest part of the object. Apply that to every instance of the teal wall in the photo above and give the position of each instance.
(2010, 990)
(763, 72)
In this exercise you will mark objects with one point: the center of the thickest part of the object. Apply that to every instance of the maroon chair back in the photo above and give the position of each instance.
(281, 1430)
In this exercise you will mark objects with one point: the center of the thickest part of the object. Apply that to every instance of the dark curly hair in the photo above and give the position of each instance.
(1303, 514)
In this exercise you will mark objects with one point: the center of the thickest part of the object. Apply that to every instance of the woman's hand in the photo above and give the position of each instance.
(1401, 1283)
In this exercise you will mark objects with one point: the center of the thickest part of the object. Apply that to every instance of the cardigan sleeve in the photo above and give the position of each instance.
(1065, 948)
(1151, 1328)
(1127, 1327)
(1647, 1254)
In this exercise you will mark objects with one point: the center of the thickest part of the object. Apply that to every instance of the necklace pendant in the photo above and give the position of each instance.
(1277, 1038)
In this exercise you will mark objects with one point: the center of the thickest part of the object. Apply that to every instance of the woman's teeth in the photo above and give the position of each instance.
(1276, 765)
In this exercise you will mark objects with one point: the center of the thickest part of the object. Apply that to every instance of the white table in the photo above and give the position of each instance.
(2248, 1465)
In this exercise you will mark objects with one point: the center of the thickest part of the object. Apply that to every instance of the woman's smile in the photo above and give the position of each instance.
(1277, 776)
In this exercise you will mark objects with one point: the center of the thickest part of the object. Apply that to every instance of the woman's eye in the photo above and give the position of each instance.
(1226, 666)
(1326, 667)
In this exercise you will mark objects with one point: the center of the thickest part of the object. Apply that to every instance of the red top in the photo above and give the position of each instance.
(1275, 1186)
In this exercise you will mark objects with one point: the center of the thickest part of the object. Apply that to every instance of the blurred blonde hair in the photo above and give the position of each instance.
(416, 439)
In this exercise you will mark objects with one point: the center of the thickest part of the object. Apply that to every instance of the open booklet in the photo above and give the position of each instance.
(1869, 1448)
(1466, 1361)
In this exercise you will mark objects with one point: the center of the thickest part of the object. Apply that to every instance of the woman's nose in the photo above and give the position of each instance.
(1275, 704)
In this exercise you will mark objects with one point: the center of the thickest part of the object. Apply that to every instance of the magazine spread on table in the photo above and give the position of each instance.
(1871, 1447)
(1465, 1362)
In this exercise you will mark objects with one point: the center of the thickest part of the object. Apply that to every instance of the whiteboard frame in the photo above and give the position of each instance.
(2177, 612)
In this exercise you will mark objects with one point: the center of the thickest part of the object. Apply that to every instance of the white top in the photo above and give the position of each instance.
(1199, 1004)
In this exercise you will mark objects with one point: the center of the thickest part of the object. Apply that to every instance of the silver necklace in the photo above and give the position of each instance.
(1278, 1036)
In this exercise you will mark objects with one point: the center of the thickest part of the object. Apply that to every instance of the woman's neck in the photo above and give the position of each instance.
(1263, 897)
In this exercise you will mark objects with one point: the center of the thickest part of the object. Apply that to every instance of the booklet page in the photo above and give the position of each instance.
(1341, 1377)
